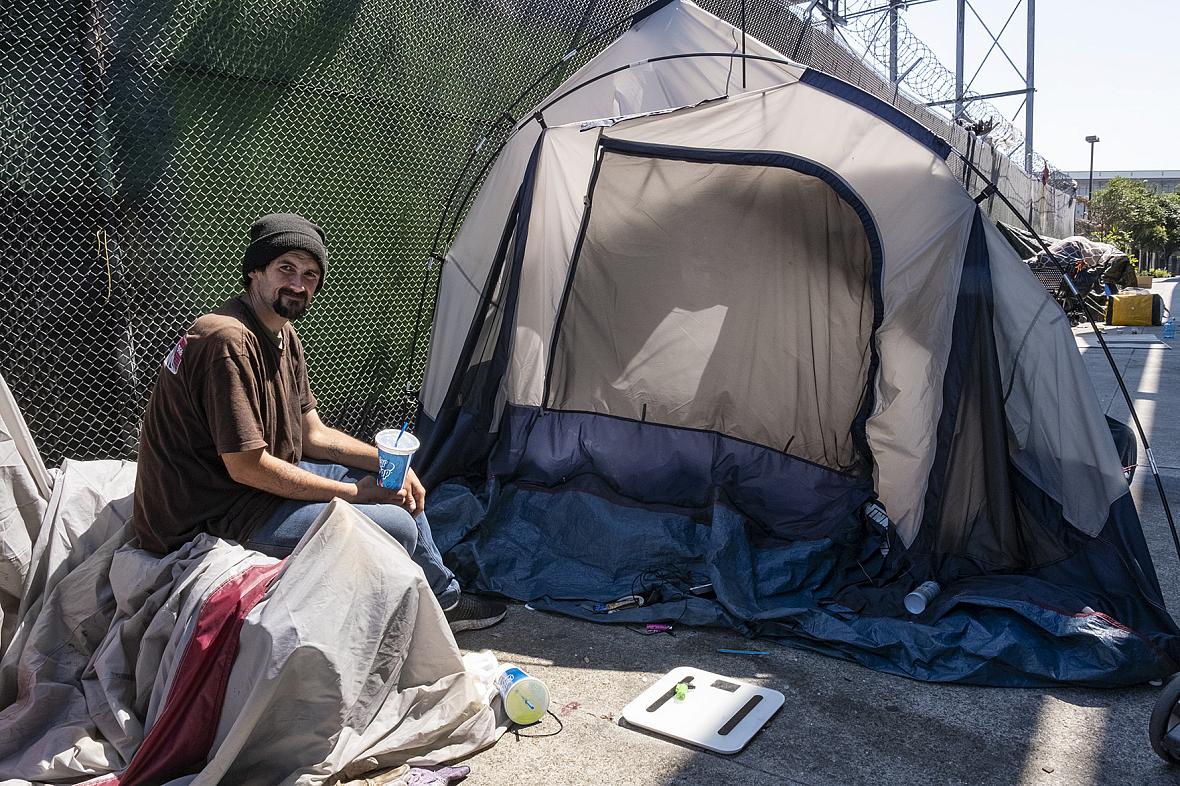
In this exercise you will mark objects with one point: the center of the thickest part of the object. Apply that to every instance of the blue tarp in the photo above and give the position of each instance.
(563, 549)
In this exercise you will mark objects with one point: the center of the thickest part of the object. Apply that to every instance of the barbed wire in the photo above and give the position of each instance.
(924, 75)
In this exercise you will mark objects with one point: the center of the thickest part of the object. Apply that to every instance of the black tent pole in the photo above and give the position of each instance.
(743, 44)
(1159, 484)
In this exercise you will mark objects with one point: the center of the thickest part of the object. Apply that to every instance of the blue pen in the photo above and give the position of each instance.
(744, 652)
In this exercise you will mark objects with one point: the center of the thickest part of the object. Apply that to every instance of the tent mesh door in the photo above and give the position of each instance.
(722, 297)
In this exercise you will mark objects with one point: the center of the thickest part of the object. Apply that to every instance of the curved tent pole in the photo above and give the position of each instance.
(538, 116)
(1159, 484)
(680, 56)
(507, 113)
(434, 255)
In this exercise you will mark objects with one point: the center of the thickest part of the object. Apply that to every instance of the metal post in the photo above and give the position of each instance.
(893, 6)
(960, 56)
(1029, 84)
(1090, 187)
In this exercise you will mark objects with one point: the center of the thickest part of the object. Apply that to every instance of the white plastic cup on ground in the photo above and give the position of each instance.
(525, 698)
(917, 601)
(393, 456)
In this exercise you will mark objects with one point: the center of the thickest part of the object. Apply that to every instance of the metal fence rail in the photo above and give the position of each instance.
(139, 139)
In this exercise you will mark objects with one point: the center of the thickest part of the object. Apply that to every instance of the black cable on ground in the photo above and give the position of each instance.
(560, 728)
(1159, 483)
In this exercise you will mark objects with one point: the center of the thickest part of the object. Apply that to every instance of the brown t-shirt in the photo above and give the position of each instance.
(227, 386)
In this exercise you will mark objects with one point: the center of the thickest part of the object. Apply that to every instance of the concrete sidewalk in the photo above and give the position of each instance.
(842, 723)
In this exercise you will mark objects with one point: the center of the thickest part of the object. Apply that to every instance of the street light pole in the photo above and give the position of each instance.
(1090, 187)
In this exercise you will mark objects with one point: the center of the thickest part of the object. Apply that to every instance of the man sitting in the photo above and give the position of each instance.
(232, 420)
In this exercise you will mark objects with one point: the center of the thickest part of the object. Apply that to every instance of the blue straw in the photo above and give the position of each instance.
(744, 652)
(399, 434)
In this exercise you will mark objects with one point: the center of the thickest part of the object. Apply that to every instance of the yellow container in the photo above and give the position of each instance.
(1131, 308)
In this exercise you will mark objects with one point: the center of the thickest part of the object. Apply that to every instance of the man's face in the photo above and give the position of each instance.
(287, 284)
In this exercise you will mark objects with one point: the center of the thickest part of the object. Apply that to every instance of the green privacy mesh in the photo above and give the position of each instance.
(140, 138)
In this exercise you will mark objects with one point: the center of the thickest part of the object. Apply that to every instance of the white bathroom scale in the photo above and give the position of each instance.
(716, 713)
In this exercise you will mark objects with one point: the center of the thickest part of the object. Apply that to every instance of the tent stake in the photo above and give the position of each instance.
(1159, 484)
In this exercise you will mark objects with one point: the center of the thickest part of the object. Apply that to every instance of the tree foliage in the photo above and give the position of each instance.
(1131, 209)
(1171, 207)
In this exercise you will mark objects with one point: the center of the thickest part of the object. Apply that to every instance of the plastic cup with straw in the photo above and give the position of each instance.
(395, 448)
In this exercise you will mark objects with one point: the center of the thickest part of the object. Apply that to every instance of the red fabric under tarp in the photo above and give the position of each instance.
(183, 734)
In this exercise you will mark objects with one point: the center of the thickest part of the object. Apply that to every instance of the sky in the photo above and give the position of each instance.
(1104, 67)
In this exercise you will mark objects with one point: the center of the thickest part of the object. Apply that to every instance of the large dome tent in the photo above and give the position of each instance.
(689, 330)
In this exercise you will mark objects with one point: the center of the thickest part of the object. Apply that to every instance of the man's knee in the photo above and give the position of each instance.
(395, 520)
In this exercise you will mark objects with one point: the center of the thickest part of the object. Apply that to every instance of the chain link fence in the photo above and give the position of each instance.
(140, 138)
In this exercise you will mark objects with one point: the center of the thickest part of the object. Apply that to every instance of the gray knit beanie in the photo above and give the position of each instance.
(277, 233)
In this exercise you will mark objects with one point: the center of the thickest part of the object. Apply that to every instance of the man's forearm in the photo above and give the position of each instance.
(328, 444)
(283, 479)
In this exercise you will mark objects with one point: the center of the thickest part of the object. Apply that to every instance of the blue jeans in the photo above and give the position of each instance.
(279, 534)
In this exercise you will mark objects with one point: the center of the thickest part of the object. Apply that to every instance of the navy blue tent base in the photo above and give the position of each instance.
(564, 550)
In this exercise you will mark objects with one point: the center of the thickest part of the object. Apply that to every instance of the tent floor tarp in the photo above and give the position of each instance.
(566, 550)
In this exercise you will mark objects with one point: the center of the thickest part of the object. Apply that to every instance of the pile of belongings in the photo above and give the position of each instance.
(213, 664)
(1079, 253)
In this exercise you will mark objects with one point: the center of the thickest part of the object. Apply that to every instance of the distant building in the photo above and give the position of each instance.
(1161, 181)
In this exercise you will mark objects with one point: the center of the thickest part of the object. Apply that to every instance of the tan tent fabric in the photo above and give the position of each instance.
(1060, 439)
(680, 27)
(15, 440)
(917, 208)
(25, 486)
(721, 297)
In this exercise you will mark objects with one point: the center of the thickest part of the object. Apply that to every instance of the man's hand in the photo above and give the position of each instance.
(370, 492)
(415, 494)
(411, 496)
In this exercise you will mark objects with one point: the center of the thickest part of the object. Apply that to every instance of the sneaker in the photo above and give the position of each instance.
(472, 612)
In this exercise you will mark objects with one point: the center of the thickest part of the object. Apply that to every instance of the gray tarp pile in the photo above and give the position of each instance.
(214, 664)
